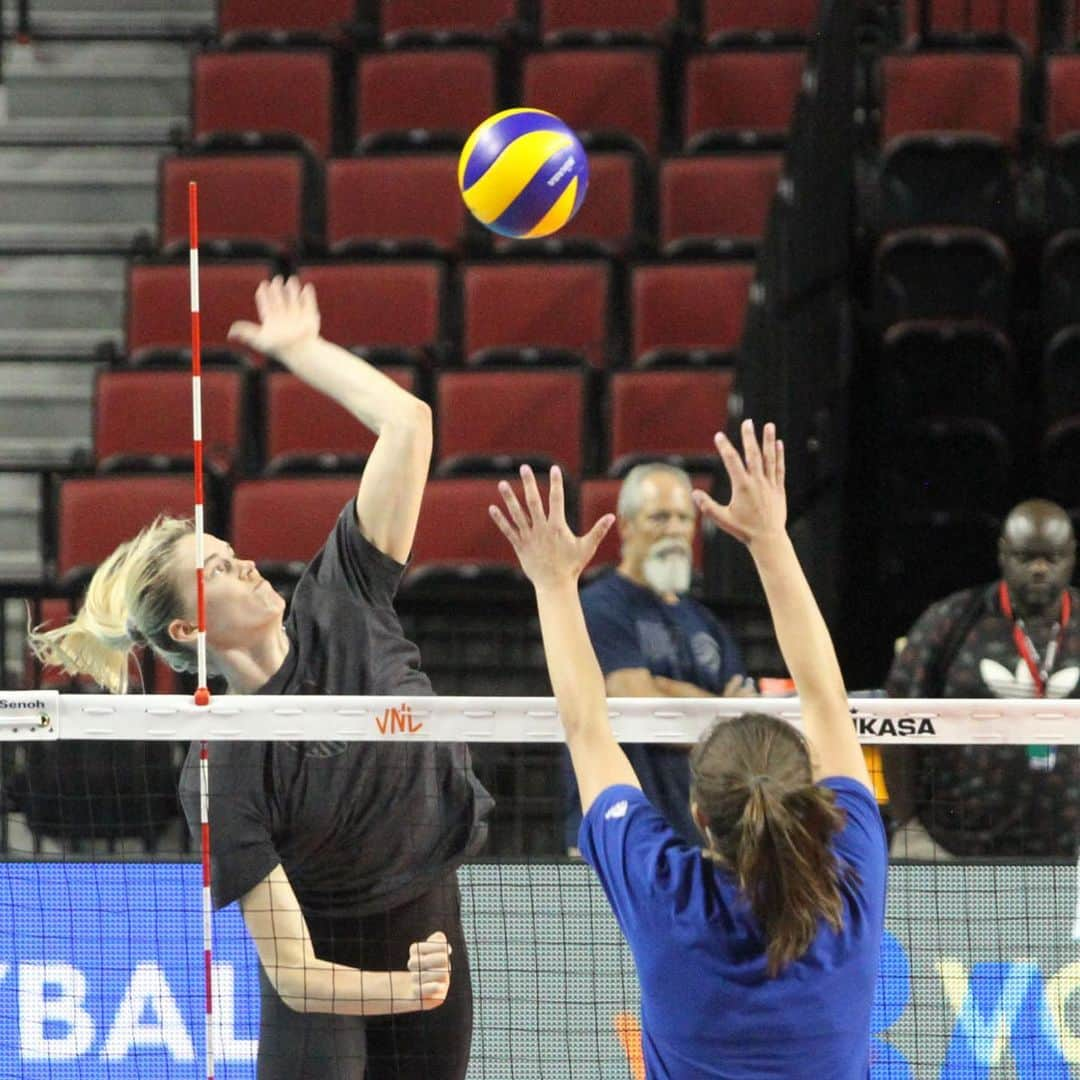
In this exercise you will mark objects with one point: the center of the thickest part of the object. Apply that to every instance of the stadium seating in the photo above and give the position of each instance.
(518, 310)
(129, 433)
(329, 20)
(950, 125)
(973, 22)
(394, 204)
(728, 21)
(94, 514)
(670, 413)
(248, 202)
(740, 99)
(688, 312)
(405, 19)
(609, 93)
(422, 97)
(717, 204)
(499, 418)
(158, 322)
(601, 20)
(1060, 390)
(307, 431)
(275, 91)
(931, 273)
(389, 310)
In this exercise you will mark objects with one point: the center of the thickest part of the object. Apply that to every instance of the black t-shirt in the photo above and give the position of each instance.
(359, 827)
(992, 800)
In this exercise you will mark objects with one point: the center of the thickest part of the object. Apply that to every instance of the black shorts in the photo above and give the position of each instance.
(415, 1046)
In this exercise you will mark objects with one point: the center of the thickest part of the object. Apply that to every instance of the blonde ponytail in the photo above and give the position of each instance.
(130, 601)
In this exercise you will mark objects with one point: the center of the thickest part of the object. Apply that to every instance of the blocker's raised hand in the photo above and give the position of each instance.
(545, 545)
(288, 316)
(758, 505)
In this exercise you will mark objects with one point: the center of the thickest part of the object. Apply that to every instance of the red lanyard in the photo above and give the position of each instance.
(1039, 670)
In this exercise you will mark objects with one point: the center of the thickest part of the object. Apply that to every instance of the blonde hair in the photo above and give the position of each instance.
(772, 827)
(130, 601)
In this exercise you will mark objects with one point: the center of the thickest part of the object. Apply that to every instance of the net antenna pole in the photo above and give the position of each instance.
(202, 693)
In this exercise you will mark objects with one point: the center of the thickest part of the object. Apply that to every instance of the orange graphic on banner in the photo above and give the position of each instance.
(628, 1032)
(398, 722)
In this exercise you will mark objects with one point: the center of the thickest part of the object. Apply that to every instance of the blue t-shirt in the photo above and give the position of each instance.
(631, 627)
(708, 1009)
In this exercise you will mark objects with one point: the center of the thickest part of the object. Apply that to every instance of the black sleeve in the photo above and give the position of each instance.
(242, 852)
(349, 560)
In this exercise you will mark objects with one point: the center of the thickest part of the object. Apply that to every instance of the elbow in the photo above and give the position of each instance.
(290, 989)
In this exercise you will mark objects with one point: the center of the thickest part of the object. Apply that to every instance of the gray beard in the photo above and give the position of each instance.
(669, 570)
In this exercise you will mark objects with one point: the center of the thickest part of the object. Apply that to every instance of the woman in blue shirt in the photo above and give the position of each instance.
(757, 953)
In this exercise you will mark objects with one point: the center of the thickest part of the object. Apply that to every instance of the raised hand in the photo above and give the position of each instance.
(288, 316)
(758, 505)
(545, 545)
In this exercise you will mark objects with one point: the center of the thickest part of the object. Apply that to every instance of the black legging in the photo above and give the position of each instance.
(414, 1046)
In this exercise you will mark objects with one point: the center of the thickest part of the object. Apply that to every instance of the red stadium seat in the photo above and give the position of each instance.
(487, 18)
(394, 201)
(94, 514)
(977, 92)
(328, 19)
(271, 92)
(667, 413)
(719, 200)
(159, 308)
(455, 529)
(726, 20)
(309, 504)
(739, 99)
(614, 92)
(964, 21)
(1061, 282)
(507, 414)
(409, 96)
(144, 417)
(395, 306)
(687, 308)
(600, 496)
(950, 124)
(244, 199)
(305, 429)
(652, 20)
(511, 307)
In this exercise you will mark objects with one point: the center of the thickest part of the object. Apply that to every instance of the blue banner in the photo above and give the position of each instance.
(101, 975)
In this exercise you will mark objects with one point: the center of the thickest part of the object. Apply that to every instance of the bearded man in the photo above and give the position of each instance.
(651, 638)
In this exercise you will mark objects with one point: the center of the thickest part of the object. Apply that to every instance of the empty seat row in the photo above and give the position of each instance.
(485, 419)
(560, 306)
(656, 20)
(416, 96)
(410, 202)
(281, 522)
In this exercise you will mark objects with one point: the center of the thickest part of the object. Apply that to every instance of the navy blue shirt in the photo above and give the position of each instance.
(688, 926)
(632, 627)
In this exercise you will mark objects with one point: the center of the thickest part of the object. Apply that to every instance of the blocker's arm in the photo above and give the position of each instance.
(307, 984)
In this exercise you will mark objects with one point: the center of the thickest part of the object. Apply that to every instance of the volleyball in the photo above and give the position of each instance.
(523, 173)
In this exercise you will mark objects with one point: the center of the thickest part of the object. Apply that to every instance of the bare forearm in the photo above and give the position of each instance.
(575, 675)
(318, 986)
(373, 398)
(800, 628)
(677, 688)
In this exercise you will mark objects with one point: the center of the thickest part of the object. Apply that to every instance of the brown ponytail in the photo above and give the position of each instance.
(772, 827)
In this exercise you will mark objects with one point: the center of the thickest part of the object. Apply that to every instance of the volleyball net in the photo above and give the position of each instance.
(101, 921)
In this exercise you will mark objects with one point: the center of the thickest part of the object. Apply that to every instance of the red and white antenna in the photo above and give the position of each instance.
(202, 693)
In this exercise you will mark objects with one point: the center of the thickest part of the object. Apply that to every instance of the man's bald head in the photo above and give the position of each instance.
(1037, 554)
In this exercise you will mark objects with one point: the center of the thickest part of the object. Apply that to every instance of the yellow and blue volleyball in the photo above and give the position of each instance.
(523, 173)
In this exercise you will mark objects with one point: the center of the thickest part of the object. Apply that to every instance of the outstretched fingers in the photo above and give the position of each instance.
(768, 452)
(513, 507)
(556, 497)
(532, 494)
(751, 450)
